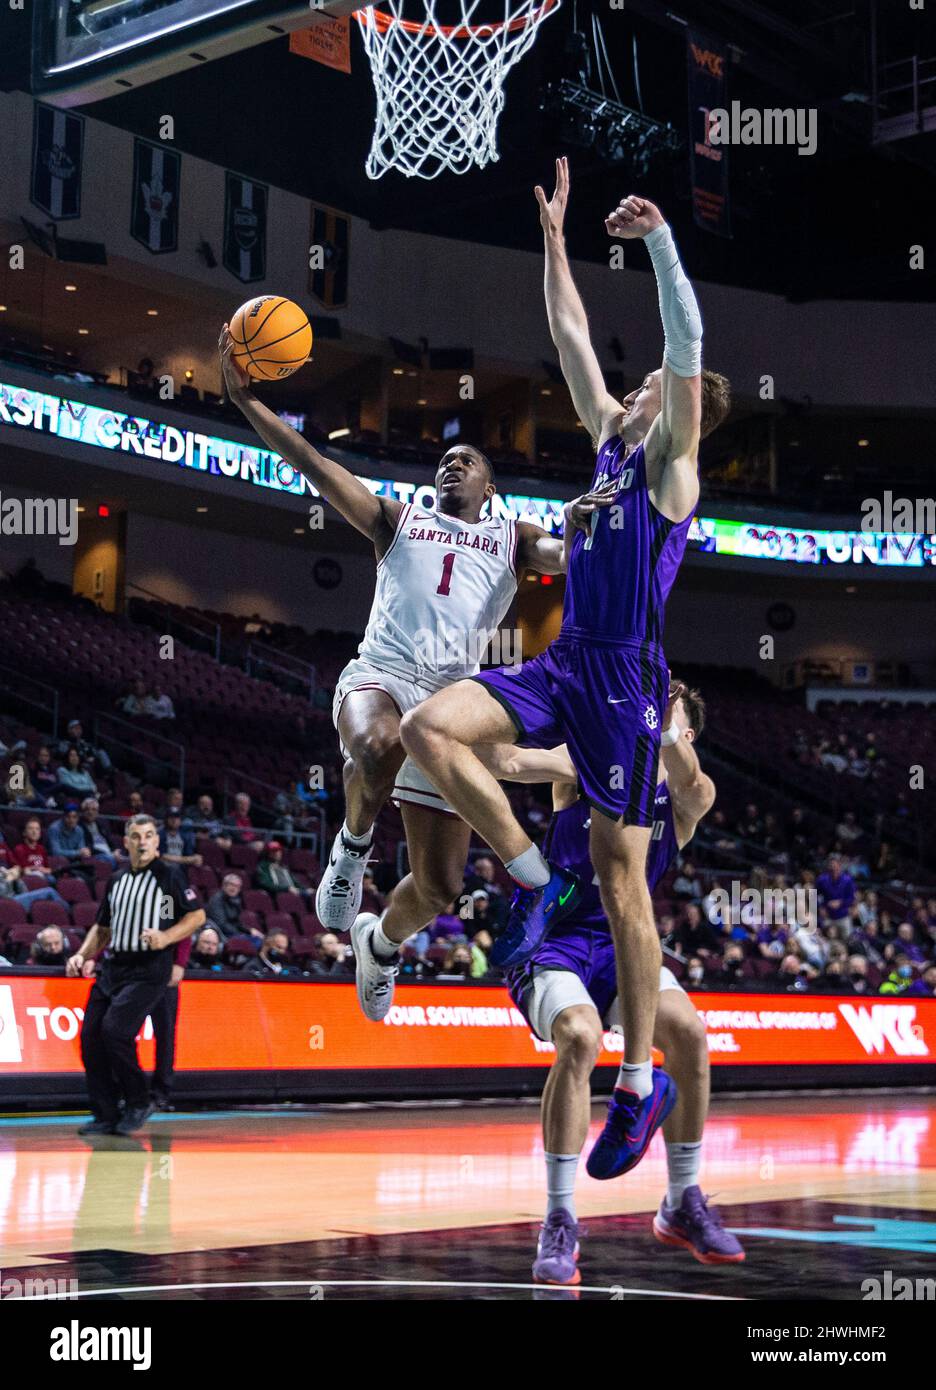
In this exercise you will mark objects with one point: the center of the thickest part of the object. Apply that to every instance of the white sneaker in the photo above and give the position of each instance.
(374, 978)
(338, 896)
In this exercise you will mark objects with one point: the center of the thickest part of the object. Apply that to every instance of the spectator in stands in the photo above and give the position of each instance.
(732, 972)
(74, 779)
(159, 705)
(66, 838)
(272, 960)
(44, 776)
(273, 876)
(722, 837)
(48, 949)
(687, 884)
(885, 866)
(909, 945)
(177, 842)
(858, 765)
(751, 824)
(207, 951)
(239, 825)
(95, 839)
(695, 973)
(900, 978)
(481, 944)
(12, 885)
(135, 807)
(333, 958)
(858, 981)
(484, 917)
(371, 900)
(90, 756)
(833, 979)
(31, 854)
(772, 941)
(836, 891)
(694, 936)
(204, 821)
(926, 984)
(225, 907)
(174, 799)
(794, 974)
(482, 874)
(457, 961)
(134, 704)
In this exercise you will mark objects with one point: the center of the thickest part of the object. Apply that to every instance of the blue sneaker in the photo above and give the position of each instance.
(630, 1126)
(532, 912)
(697, 1227)
(557, 1250)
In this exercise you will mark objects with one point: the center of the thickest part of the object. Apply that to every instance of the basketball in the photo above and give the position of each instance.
(272, 337)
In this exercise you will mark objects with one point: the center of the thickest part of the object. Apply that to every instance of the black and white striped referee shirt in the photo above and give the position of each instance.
(136, 899)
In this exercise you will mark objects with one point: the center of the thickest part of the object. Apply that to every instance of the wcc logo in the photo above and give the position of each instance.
(713, 63)
(245, 227)
(886, 1027)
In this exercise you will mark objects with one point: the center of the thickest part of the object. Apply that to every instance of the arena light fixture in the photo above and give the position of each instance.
(339, 434)
(71, 288)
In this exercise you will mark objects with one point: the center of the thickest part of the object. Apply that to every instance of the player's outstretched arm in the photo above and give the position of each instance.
(692, 791)
(538, 551)
(568, 324)
(359, 506)
(672, 445)
(534, 765)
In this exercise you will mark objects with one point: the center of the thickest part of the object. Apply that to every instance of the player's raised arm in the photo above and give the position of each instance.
(359, 506)
(692, 791)
(568, 323)
(672, 446)
(538, 551)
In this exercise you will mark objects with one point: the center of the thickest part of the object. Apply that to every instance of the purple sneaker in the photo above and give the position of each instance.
(630, 1126)
(693, 1226)
(557, 1250)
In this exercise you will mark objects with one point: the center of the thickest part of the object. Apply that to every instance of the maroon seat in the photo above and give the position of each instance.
(309, 925)
(303, 860)
(250, 921)
(258, 900)
(11, 914)
(74, 890)
(47, 914)
(243, 857)
(100, 888)
(203, 876)
(212, 854)
(84, 915)
(291, 903)
(19, 939)
(101, 869)
(32, 882)
(282, 921)
(239, 946)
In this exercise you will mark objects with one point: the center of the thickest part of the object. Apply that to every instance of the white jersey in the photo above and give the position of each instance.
(443, 588)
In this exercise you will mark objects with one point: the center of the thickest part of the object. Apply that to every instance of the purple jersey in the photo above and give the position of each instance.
(621, 573)
(566, 844)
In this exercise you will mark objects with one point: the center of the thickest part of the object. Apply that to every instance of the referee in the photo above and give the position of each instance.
(147, 908)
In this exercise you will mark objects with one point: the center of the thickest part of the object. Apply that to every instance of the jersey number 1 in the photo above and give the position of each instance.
(445, 583)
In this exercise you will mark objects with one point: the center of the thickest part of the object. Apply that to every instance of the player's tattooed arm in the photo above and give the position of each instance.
(568, 323)
(375, 517)
(692, 791)
(538, 551)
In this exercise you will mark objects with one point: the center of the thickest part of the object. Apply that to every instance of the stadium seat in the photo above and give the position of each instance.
(84, 915)
(282, 921)
(291, 903)
(259, 901)
(11, 914)
(46, 914)
(74, 890)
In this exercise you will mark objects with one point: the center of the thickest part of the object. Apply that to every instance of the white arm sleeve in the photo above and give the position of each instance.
(682, 322)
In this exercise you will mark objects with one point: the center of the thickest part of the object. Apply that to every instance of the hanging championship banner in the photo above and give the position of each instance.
(245, 222)
(58, 144)
(328, 42)
(154, 217)
(707, 60)
(330, 242)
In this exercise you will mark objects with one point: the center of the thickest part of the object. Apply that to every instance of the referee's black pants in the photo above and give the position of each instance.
(119, 1002)
(165, 1018)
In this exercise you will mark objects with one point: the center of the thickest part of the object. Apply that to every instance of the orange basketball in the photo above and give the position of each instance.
(272, 337)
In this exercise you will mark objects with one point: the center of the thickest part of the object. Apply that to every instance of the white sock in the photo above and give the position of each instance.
(529, 869)
(560, 1182)
(383, 948)
(682, 1167)
(636, 1076)
(357, 841)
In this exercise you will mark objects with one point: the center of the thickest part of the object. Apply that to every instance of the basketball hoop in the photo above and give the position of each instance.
(440, 88)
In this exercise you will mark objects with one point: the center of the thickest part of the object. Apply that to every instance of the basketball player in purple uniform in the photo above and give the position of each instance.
(567, 993)
(601, 687)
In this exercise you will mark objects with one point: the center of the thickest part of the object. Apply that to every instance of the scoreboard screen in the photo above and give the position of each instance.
(84, 50)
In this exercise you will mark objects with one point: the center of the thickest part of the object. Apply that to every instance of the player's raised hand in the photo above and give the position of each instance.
(552, 213)
(633, 218)
(676, 692)
(236, 380)
(578, 513)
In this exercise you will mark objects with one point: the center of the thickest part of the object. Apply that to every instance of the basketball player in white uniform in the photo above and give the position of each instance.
(445, 580)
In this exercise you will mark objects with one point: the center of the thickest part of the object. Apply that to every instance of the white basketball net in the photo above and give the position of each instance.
(440, 91)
